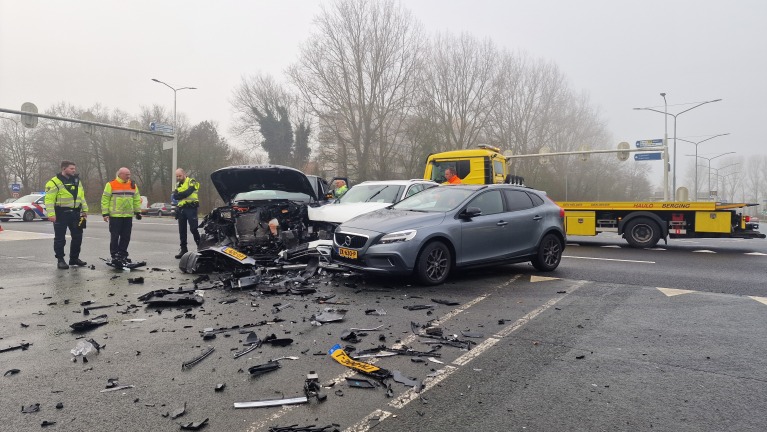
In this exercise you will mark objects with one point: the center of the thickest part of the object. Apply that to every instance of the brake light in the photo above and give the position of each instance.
(561, 212)
(747, 218)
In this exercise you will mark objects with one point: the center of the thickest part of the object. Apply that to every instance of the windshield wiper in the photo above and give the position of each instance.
(375, 194)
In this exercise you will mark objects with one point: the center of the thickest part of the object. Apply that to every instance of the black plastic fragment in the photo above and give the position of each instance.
(60, 405)
(418, 307)
(261, 369)
(22, 346)
(220, 387)
(201, 357)
(469, 334)
(90, 324)
(359, 383)
(30, 408)
(47, 423)
(410, 382)
(194, 425)
(136, 280)
(275, 341)
(10, 372)
(329, 315)
(350, 336)
(446, 302)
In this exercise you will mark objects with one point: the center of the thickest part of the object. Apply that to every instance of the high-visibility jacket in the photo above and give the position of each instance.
(120, 199)
(339, 192)
(187, 192)
(60, 194)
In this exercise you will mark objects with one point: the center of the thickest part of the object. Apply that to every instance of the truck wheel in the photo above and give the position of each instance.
(642, 233)
(433, 264)
(29, 216)
(549, 253)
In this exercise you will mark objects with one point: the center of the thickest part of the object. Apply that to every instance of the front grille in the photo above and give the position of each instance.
(355, 241)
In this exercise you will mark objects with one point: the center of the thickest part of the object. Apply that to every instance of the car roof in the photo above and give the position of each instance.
(495, 186)
(396, 182)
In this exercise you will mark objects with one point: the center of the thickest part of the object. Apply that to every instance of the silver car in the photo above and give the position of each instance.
(448, 227)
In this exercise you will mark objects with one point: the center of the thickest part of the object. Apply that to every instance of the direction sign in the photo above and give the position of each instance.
(647, 156)
(649, 143)
(15, 187)
(162, 128)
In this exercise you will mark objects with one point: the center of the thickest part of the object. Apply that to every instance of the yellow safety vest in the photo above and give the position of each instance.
(120, 199)
(57, 194)
(192, 198)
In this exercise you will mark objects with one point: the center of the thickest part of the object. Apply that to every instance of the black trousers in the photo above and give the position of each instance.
(67, 220)
(119, 231)
(187, 215)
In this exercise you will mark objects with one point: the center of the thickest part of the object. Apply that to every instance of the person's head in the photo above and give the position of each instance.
(68, 168)
(449, 173)
(180, 175)
(123, 174)
(340, 183)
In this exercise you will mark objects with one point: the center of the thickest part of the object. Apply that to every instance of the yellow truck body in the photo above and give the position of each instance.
(483, 165)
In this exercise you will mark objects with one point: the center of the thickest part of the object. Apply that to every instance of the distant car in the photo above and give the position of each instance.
(158, 209)
(9, 200)
(26, 208)
(366, 197)
(442, 228)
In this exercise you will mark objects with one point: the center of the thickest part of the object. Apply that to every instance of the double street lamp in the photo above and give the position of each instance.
(666, 113)
(174, 145)
(696, 157)
(709, 166)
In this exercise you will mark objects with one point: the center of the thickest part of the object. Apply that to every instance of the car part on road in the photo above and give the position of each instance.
(87, 310)
(118, 388)
(341, 357)
(10, 372)
(89, 324)
(273, 340)
(329, 316)
(179, 412)
(366, 329)
(312, 387)
(30, 408)
(359, 383)
(194, 425)
(201, 357)
(22, 346)
(219, 387)
(410, 382)
(446, 302)
(46, 423)
(375, 312)
(136, 280)
(164, 297)
(272, 402)
(418, 307)
(310, 428)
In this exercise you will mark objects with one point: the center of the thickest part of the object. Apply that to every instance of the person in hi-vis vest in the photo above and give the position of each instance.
(186, 193)
(120, 202)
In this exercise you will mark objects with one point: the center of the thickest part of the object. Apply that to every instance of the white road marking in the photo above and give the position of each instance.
(670, 292)
(611, 246)
(364, 424)
(703, 251)
(534, 278)
(755, 254)
(411, 394)
(657, 249)
(608, 259)
(476, 351)
(762, 300)
(12, 235)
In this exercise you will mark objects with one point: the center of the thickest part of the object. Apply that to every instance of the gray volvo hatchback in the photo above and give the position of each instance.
(447, 227)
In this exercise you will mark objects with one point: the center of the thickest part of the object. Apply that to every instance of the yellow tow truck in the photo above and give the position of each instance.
(642, 224)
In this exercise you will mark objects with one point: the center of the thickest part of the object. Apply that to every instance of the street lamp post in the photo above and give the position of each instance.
(675, 116)
(175, 129)
(709, 165)
(696, 156)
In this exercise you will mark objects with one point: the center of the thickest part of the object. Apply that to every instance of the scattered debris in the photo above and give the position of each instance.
(47, 423)
(418, 307)
(328, 316)
(410, 382)
(194, 425)
(366, 329)
(10, 372)
(90, 324)
(272, 402)
(220, 387)
(201, 357)
(359, 383)
(310, 428)
(87, 310)
(273, 340)
(123, 387)
(376, 312)
(136, 280)
(261, 369)
(446, 302)
(341, 357)
(179, 412)
(164, 297)
(312, 387)
(469, 334)
(22, 346)
(30, 408)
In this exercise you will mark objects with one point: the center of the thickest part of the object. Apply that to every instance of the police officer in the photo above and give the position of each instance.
(340, 189)
(186, 211)
(66, 206)
(120, 202)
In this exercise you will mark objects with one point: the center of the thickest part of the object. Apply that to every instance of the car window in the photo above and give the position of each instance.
(462, 169)
(380, 193)
(414, 189)
(536, 199)
(517, 200)
(489, 202)
(497, 167)
(438, 199)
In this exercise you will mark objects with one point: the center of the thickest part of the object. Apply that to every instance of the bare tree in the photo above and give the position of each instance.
(460, 87)
(356, 73)
(21, 154)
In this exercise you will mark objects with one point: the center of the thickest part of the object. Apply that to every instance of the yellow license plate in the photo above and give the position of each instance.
(235, 253)
(347, 253)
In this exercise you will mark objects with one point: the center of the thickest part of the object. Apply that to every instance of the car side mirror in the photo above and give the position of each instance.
(329, 196)
(470, 212)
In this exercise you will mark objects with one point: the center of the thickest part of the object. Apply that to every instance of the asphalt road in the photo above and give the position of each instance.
(615, 339)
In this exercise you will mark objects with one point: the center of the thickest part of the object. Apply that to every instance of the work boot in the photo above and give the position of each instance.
(77, 262)
(181, 253)
(62, 264)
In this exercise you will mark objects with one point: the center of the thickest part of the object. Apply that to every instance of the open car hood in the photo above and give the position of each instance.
(232, 180)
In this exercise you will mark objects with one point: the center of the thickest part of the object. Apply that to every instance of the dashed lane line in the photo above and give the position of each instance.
(608, 259)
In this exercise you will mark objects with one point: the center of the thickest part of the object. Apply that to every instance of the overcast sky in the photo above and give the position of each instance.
(622, 54)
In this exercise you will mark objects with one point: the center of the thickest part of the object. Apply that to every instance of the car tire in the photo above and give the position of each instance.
(642, 233)
(29, 216)
(549, 253)
(434, 263)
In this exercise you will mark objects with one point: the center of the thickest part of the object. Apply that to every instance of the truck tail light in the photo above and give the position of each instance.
(747, 218)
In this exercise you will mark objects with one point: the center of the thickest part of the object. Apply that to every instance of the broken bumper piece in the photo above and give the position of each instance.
(272, 402)
(368, 369)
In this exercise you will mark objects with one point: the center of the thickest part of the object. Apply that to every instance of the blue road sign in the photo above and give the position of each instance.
(158, 127)
(15, 187)
(649, 143)
(647, 156)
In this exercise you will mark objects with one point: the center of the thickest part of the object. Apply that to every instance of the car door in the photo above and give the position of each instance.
(484, 237)
(525, 222)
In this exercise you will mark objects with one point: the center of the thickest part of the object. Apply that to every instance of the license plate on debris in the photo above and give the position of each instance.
(347, 253)
(235, 253)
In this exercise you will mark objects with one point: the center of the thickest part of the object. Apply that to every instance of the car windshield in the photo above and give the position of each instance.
(158, 205)
(436, 199)
(380, 193)
(27, 199)
(267, 194)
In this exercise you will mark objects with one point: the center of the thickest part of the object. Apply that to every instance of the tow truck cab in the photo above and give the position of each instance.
(483, 165)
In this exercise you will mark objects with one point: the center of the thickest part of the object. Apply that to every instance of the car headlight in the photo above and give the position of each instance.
(17, 208)
(399, 236)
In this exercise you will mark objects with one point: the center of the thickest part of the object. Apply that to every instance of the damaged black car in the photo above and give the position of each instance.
(265, 216)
